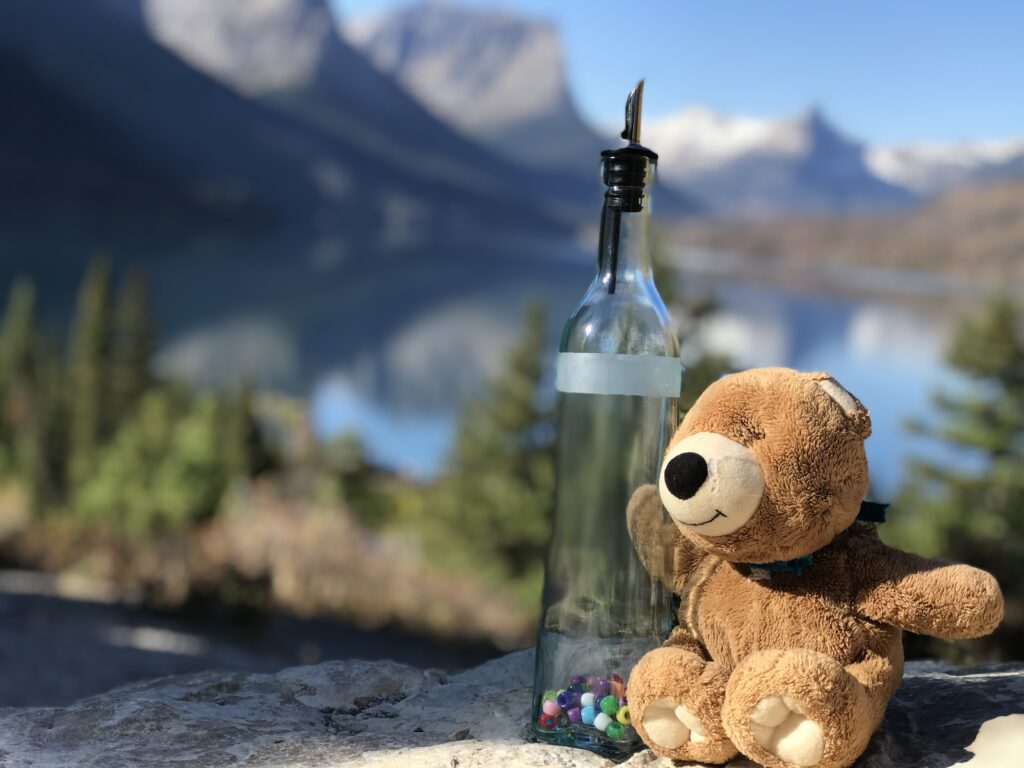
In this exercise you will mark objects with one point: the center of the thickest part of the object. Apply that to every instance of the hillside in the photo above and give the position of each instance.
(165, 120)
(975, 234)
(288, 54)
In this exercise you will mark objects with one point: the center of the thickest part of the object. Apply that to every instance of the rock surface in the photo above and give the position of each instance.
(386, 714)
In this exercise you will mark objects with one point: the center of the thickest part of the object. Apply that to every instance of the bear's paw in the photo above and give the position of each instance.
(778, 725)
(670, 724)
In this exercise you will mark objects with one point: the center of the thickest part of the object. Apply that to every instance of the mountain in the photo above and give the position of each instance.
(751, 167)
(55, 154)
(930, 168)
(269, 226)
(217, 149)
(289, 54)
(494, 75)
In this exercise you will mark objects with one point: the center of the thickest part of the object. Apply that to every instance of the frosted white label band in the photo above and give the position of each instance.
(590, 373)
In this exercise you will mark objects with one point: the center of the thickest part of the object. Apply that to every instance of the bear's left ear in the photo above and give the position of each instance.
(855, 411)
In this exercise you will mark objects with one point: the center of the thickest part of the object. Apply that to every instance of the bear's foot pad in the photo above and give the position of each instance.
(778, 725)
(671, 725)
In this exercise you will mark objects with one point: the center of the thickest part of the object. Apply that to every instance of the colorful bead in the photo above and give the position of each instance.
(590, 700)
(551, 708)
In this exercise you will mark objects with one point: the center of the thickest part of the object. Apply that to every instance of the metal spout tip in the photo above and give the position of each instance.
(634, 106)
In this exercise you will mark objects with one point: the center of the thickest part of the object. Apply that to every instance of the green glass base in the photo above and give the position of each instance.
(591, 739)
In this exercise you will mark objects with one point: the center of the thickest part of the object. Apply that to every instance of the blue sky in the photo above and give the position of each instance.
(887, 72)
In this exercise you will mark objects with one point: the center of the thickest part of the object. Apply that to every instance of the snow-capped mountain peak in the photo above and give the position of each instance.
(930, 167)
(699, 138)
(756, 166)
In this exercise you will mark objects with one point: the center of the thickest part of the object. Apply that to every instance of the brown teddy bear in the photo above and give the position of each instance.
(789, 638)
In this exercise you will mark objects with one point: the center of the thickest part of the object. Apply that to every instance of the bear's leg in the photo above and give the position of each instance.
(802, 708)
(675, 700)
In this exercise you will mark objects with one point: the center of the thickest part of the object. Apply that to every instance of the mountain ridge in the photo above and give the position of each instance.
(932, 167)
(752, 167)
(499, 76)
(468, 66)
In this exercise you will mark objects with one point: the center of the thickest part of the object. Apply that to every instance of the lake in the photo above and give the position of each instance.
(882, 335)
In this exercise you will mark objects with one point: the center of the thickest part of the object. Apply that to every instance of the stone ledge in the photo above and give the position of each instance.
(386, 714)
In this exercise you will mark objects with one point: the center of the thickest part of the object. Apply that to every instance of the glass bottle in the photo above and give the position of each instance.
(618, 377)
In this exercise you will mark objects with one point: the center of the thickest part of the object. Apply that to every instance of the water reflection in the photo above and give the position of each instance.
(887, 349)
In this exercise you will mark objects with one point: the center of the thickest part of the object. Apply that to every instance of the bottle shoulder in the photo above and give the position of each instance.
(633, 320)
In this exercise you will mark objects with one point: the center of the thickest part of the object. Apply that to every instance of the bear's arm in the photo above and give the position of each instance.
(931, 597)
(653, 538)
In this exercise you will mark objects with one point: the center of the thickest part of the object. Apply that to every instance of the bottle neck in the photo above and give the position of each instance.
(623, 256)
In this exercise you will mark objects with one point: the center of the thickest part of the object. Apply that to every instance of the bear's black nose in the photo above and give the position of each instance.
(685, 474)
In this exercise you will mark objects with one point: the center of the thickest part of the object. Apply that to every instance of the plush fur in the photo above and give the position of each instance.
(791, 669)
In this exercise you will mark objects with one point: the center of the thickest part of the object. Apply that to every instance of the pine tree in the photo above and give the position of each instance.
(17, 337)
(17, 334)
(132, 347)
(246, 453)
(88, 368)
(973, 510)
(702, 368)
(497, 493)
(163, 469)
(28, 394)
(31, 443)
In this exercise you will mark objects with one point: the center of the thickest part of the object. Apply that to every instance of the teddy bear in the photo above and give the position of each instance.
(789, 639)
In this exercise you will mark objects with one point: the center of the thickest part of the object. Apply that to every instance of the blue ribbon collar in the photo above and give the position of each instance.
(870, 512)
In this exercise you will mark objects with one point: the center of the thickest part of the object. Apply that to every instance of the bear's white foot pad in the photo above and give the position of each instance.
(778, 725)
(670, 724)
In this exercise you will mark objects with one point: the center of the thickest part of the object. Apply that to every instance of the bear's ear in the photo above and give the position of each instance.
(852, 407)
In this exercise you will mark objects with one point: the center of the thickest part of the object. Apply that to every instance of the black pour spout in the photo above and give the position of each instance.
(625, 171)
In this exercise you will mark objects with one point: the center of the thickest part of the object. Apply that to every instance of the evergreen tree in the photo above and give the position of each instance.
(24, 396)
(496, 496)
(88, 367)
(702, 367)
(973, 510)
(163, 470)
(17, 334)
(246, 453)
(132, 347)
(30, 386)
(44, 445)
(17, 338)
